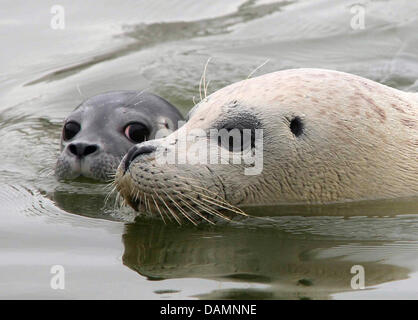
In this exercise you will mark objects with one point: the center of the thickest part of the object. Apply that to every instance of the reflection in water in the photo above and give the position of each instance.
(289, 263)
(91, 199)
(76, 203)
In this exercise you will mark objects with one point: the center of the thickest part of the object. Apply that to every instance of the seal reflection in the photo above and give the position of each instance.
(293, 265)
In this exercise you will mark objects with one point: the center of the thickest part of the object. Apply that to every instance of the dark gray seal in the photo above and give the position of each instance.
(99, 132)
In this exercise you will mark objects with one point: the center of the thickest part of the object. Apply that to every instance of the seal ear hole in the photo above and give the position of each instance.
(296, 126)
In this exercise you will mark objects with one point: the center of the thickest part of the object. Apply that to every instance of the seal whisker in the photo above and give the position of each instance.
(200, 88)
(138, 198)
(159, 198)
(172, 213)
(220, 202)
(244, 82)
(148, 205)
(207, 208)
(129, 101)
(193, 209)
(213, 201)
(203, 80)
(118, 202)
(109, 194)
(205, 87)
(166, 214)
(141, 198)
(145, 203)
(256, 69)
(158, 209)
(181, 209)
(109, 186)
(79, 91)
(217, 200)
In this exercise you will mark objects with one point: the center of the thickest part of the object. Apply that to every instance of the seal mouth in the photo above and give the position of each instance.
(161, 191)
(134, 153)
(100, 167)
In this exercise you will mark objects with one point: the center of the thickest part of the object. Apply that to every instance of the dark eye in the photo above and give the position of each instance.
(70, 129)
(236, 139)
(137, 132)
(239, 133)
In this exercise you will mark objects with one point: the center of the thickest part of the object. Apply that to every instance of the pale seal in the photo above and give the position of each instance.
(99, 132)
(328, 137)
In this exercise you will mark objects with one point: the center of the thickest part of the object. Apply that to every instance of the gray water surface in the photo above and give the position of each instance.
(162, 46)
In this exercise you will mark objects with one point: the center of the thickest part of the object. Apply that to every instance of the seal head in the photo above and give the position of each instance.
(327, 137)
(99, 132)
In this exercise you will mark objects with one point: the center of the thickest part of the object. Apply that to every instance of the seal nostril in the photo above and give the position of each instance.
(73, 149)
(82, 149)
(90, 149)
(135, 151)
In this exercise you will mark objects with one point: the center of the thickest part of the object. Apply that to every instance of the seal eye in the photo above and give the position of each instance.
(70, 129)
(296, 126)
(136, 132)
(238, 134)
(236, 139)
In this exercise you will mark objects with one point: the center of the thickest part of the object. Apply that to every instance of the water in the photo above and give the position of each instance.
(289, 252)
